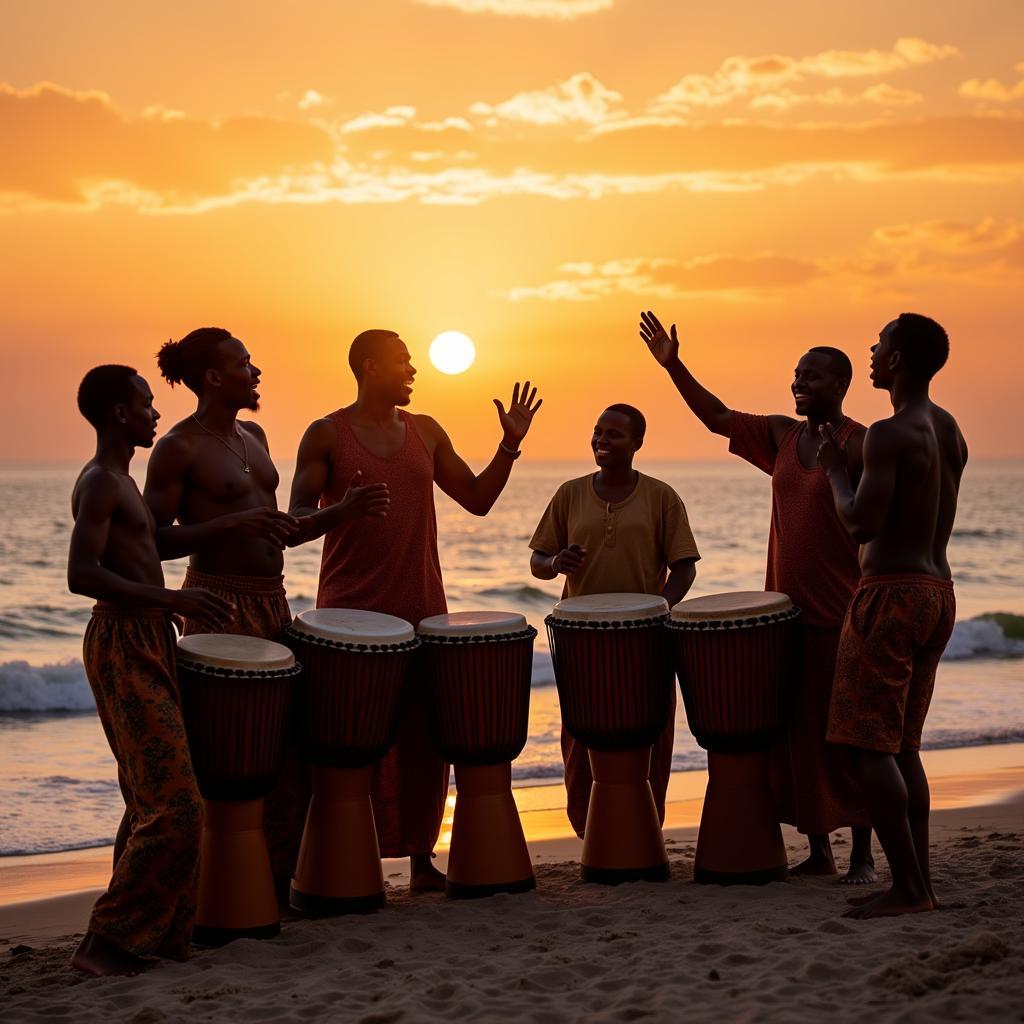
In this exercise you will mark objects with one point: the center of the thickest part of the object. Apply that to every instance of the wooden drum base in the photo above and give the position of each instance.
(236, 887)
(488, 851)
(622, 841)
(739, 842)
(339, 870)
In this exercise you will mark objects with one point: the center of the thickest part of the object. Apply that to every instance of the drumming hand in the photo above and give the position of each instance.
(268, 523)
(516, 422)
(830, 455)
(664, 347)
(206, 607)
(371, 500)
(569, 559)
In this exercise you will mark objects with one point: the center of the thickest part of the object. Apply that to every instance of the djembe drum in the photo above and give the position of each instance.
(356, 665)
(615, 679)
(479, 666)
(731, 653)
(235, 692)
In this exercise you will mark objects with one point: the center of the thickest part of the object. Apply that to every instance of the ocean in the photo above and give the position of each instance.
(58, 786)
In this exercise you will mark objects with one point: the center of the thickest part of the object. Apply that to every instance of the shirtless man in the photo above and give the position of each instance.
(149, 905)
(214, 468)
(902, 614)
(813, 559)
(388, 561)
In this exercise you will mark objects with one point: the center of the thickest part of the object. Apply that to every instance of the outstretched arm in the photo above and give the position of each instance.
(312, 477)
(862, 509)
(478, 493)
(708, 408)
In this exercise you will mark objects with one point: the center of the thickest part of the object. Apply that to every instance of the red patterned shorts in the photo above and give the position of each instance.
(894, 633)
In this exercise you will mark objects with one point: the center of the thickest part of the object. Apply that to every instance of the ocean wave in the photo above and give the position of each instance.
(520, 594)
(64, 687)
(54, 846)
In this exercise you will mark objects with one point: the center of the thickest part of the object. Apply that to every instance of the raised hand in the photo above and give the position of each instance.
(516, 422)
(269, 523)
(664, 347)
(368, 500)
(830, 455)
(207, 608)
(569, 560)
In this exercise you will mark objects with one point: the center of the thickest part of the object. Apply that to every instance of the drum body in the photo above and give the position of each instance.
(478, 666)
(614, 676)
(235, 694)
(731, 653)
(357, 664)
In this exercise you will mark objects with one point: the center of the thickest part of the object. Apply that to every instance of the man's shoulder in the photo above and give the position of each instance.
(658, 488)
(178, 442)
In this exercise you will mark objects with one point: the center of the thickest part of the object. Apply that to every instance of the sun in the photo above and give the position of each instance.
(452, 352)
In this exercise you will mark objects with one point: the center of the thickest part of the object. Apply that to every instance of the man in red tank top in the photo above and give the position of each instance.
(813, 559)
(388, 562)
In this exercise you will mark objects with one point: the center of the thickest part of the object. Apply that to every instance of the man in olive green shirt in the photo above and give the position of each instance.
(615, 531)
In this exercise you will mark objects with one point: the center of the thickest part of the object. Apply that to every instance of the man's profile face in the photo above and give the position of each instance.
(140, 416)
(237, 376)
(393, 372)
(881, 357)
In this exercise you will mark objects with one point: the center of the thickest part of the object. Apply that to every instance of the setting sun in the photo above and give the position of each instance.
(452, 352)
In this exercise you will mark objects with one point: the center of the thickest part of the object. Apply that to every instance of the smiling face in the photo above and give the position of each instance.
(390, 373)
(613, 442)
(138, 416)
(236, 377)
(817, 389)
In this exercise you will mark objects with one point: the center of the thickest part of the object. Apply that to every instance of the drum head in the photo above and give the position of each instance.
(741, 604)
(353, 626)
(611, 608)
(470, 624)
(247, 653)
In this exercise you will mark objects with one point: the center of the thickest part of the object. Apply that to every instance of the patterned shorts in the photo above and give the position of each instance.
(895, 631)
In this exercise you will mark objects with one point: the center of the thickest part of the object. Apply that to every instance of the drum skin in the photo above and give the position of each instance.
(348, 707)
(734, 683)
(614, 684)
(235, 720)
(480, 689)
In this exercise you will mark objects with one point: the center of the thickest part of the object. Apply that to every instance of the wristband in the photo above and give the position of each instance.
(513, 453)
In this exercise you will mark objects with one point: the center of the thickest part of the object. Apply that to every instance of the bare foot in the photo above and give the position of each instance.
(423, 876)
(859, 901)
(862, 872)
(891, 903)
(816, 864)
(99, 956)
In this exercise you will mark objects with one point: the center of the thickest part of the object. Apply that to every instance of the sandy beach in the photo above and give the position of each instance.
(575, 952)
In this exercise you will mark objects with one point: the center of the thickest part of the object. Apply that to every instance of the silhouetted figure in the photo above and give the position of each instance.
(812, 558)
(902, 615)
(129, 651)
(616, 531)
(212, 473)
(388, 562)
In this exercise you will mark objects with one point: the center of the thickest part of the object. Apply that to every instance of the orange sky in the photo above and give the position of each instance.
(531, 172)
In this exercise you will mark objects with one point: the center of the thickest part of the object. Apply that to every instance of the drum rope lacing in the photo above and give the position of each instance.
(656, 620)
(484, 638)
(706, 625)
(239, 673)
(341, 645)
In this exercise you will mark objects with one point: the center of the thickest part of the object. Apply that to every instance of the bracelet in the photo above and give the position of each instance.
(514, 453)
(554, 558)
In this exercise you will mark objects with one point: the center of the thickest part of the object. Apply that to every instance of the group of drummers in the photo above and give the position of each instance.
(268, 759)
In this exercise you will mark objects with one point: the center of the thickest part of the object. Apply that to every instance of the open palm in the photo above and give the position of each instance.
(521, 410)
(664, 347)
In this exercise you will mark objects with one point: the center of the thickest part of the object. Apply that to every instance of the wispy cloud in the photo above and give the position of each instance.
(993, 89)
(581, 99)
(748, 78)
(987, 253)
(555, 10)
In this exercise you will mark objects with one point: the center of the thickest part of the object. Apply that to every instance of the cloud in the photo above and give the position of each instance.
(571, 142)
(581, 99)
(993, 89)
(556, 10)
(741, 78)
(310, 99)
(882, 95)
(988, 253)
